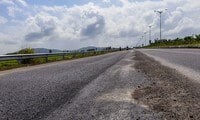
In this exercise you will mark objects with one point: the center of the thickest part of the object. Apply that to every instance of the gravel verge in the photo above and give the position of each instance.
(173, 95)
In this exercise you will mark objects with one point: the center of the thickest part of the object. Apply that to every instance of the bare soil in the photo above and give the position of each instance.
(173, 95)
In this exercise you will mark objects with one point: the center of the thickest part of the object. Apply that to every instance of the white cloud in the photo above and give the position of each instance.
(6, 2)
(3, 20)
(92, 24)
(106, 1)
(12, 10)
(13, 2)
(22, 2)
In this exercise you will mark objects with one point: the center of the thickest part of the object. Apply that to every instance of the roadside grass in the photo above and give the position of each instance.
(186, 42)
(194, 45)
(11, 64)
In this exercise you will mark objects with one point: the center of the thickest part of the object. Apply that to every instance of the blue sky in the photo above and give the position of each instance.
(71, 24)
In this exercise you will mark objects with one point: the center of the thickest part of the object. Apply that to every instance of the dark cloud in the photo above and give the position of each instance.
(94, 29)
(129, 33)
(8, 42)
(35, 36)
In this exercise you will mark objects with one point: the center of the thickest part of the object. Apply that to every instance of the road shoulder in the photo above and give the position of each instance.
(188, 72)
(170, 93)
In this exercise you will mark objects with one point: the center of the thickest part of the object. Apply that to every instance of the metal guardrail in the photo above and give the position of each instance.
(30, 56)
(21, 57)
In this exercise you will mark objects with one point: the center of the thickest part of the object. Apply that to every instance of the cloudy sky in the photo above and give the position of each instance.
(71, 24)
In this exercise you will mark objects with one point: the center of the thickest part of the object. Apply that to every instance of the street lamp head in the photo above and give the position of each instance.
(160, 11)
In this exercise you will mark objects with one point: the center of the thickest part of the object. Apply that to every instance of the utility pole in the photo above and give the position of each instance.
(160, 13)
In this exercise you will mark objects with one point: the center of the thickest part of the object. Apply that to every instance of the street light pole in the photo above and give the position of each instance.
(150, 34)
(145, 38)
(142, 40)
(160, 13)
(160, 24)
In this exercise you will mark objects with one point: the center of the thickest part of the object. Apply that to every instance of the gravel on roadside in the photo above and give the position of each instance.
(170, 93)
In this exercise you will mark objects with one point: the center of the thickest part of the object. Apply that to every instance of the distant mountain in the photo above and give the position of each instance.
(45, 50)
(91, 48)
(39, 50)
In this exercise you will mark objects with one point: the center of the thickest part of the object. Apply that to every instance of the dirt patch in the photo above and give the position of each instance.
(176, 96)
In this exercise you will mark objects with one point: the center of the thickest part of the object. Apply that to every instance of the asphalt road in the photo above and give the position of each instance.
(124, 85)
(186, 61)
(185, 57)
(91, 88)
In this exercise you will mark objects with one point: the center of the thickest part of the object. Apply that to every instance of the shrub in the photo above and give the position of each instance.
(27, 51)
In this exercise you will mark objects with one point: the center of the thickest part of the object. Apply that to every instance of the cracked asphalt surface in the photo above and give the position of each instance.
(125, 85)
